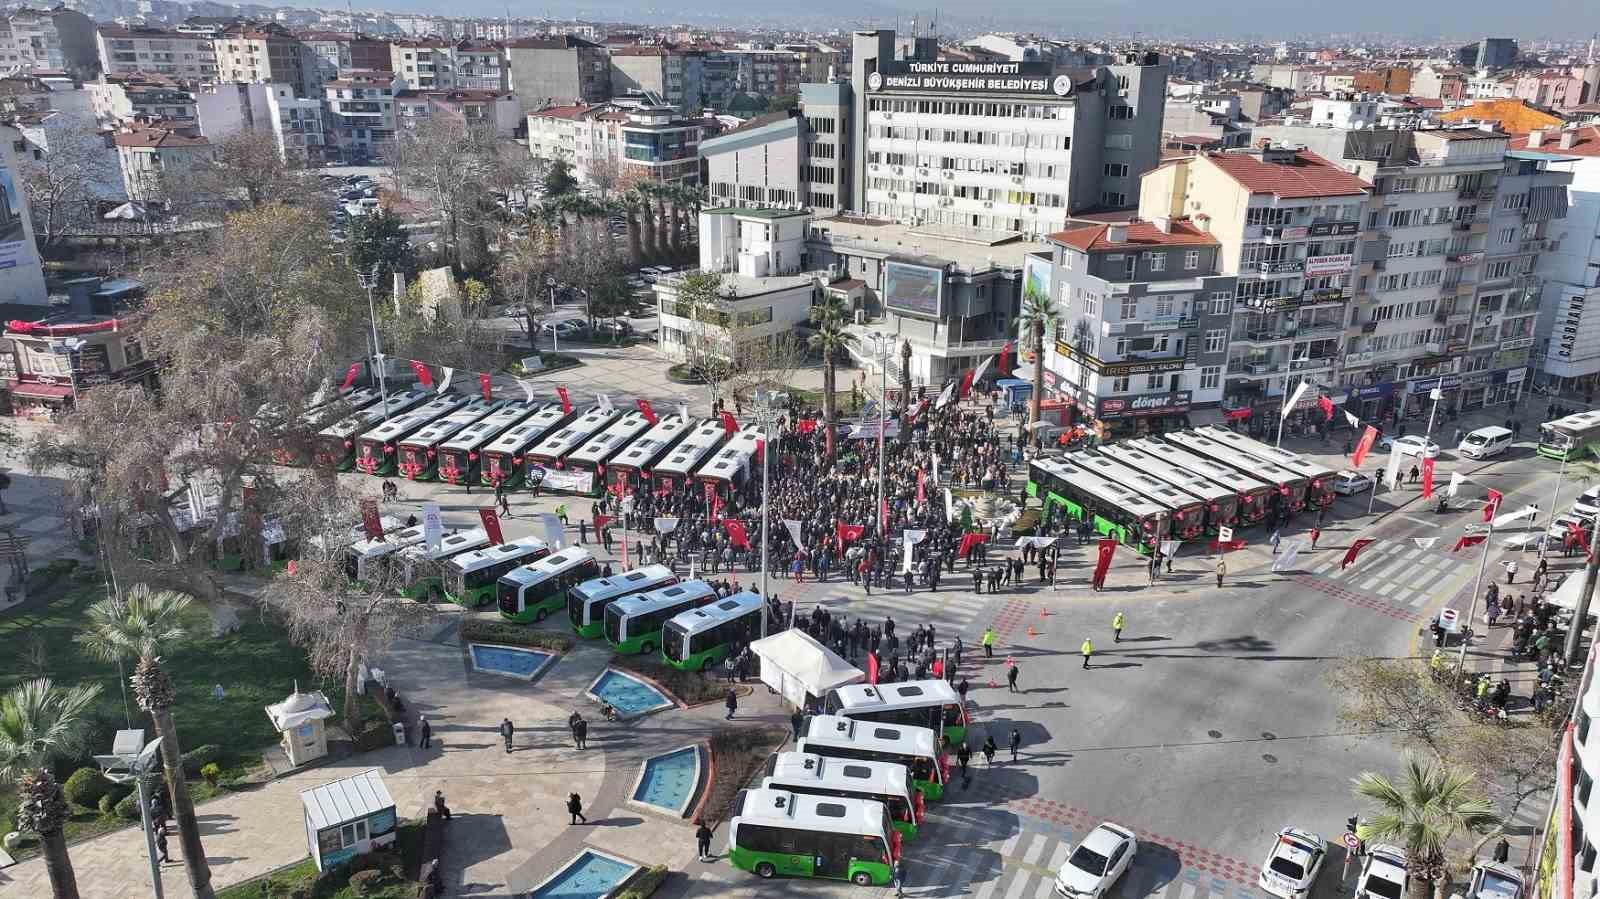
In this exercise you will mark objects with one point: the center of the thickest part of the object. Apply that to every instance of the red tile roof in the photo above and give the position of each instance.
(1309, 175)
(562, 112)
(158, 138)
(1092, 238)
(1586, 142)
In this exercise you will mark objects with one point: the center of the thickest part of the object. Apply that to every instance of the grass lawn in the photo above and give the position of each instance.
(390, 882)
(256, 666)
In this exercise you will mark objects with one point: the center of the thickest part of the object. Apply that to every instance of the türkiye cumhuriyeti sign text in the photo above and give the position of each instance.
(970, 77)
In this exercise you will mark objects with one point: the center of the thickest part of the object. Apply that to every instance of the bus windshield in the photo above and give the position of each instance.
(507, 594)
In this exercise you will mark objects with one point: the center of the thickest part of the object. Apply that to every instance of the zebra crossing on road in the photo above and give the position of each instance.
(1401, 573)
(951, 612)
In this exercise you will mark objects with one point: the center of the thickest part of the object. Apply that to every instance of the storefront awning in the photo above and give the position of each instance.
(41, 391)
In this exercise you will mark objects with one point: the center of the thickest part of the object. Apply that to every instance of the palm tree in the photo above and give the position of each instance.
(139, 626)
(1038, 319)
(40, 722)
(663, 240)
(640, 194)
(630, 209)
(832, 339)
(1430, 806)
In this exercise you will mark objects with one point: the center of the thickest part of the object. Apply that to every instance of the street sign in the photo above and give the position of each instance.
(1351, 841)
(1224, 535)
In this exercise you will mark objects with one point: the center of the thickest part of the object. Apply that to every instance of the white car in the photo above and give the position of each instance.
(1349, 483)
(1093, 868)
(1293, 863)
(1383, 874)
(1409, 446)
(1491, 880)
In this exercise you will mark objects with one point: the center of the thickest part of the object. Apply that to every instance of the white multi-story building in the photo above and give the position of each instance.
(1568, 345)
(438, 64)
(361, 114)
(59, 39)
(297, 125)
(153, 157)
(127, 50)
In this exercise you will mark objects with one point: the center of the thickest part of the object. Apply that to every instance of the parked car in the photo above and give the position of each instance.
(1383, 873)
(1093, 868)
(1492, 880)
(1410, 446)
(1292, 864)
(560, 329)
(1349, 483)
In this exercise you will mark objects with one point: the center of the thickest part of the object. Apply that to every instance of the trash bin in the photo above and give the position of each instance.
(399, 734)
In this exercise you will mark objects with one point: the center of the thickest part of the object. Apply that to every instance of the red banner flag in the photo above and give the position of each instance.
(728, 424)
(1427, 478)
(350, 375)
(371, 523)
(1493, 505)
(883, 516)
(422, 373)
(1368, 437)
(806, 425)
(1005, 356)
(1469, 540)
(485, 384)
(491, 526)
(601, 521)
(872, 668)
(1102, 562)
(645, 410)
(1326, 405)
(849, 532)
(922, 480)
(968, 541)
(1354, 550)
(966, 383)
(566, 404)
(1575, 532)
(736, 533)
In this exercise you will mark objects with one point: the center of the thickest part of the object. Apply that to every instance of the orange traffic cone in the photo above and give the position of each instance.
(1032, 632)
(1044, 612)
(992, 684)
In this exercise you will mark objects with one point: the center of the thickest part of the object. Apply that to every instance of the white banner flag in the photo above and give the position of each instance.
(905, 562)
(1391, 475)
(432, 526)
(554, 532)
(949, 391)
(793, 524)
(604, 403)
(683, 412)
(527, 388)
(1169, 548)
(913, 537)
(666, 525)
(1456, 480)
(444, 383)
(1354, 422)
(978, 375)
(1424, 542)
(1287, 555)
(949, 506)
(936, 468)
(1501, 521)
(1293, 400)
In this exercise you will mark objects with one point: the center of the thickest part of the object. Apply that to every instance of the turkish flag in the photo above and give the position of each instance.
(566, 404)
(1102, 562)
(966, 382)
(728, 424)
(371, 524)
(601, 521)
(1493, 505)
(1368, 437)
(849, 532)
(491, 526)
(645, 410)
(1575, 532)
(968, 541)
(1469, 540)
(872, 668)
(1326, 405)
(422, 373)
(922, 479)
(1427, 478)
(1005, 356)
(736, 533)
(350, 375)
(485, 384)
(1354, 550)
(806, 425)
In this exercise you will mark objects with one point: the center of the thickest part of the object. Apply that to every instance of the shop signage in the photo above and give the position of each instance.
(951, 76)
(1329, 265)
(1423, 385)
(1516, 375)
(1118, 369)
(1334, 229)
(1373, 391)
(1172, 403)
(1288, 232)
(1521, 343)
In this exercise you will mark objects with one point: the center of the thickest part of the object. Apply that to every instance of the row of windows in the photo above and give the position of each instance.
(1032, 140)
(819, 174)
(979, 165)
(967, 192)
(1408, 280)
(977, 108)
(1417, 309)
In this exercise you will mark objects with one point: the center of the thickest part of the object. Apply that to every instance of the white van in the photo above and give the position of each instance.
(1485, 442)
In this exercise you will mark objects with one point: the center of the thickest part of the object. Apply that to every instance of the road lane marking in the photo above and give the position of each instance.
(1018, 884)
(1187, 892)
(1031, 857)
(1009, 847)
(1059, 857)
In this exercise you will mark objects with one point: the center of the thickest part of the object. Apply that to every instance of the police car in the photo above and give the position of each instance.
(1383, 873)
(1293, 863)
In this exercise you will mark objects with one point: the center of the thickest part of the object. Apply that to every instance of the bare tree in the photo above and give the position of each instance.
(449, 165)
(248, 168)
(766, 364)
(62, 186)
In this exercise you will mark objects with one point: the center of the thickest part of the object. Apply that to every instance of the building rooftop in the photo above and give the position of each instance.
(1096, 238)
(1585, 141)
(154, 138)
(562, 112)
(970, 250)
(548, 42)
(1513, 116)
(1305, 174)
(755, 212)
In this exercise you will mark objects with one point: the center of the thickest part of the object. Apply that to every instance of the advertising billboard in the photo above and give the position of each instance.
(1329, 265)
(915, 289)
(1174, 403)
(13, 237)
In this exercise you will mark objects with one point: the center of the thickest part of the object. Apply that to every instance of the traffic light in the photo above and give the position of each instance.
(1350, 823)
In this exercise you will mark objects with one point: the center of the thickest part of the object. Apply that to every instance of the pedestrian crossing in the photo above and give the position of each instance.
(951, 612)
(1400, 572)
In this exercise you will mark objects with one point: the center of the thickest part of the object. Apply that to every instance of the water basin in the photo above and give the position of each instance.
(669, 781)
(590, 875)
(512, 661)
(629, 695)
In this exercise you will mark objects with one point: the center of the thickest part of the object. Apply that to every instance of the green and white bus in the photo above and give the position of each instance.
(290, 448)
(586, 603)
(638, 459)
(423, 569)
(677, 469)
(915, 747)
(633, 623)
(377, 451)
(419, 453)
(924, 703)
(366, 561)
(532, 592)
(502, 458)
(470, 578)
(734, 463)
(594, 455)
(335, 445)
(543, 463)
(1571, 437)
(775, 832)
(815, 775)
(699, 638)
(461, 455)
(1112, 509)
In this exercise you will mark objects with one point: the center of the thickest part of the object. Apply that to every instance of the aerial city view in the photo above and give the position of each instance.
(609, 451)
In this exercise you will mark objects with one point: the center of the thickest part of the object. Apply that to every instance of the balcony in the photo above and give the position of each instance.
(1463, 258)
(1318, 329)
(1261, 338)
(1476, 192)
(1457, 289)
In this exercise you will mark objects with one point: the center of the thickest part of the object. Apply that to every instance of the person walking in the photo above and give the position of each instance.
(506, 731)
(899, 876)
(1088, 650)
(988, 642)
(1117, 622)
(505, 502)
(1511, 571)
(161, 847)
(1277, 537)
(963, 756)
(1222, 571)
(425, 731)
(1315, 533)
(732, 702)
(1016, 743)
(575, 809)
(1011, 678)
(795, 721)
(580, 733)
(961, 689)
(702, 840)
(989, 749)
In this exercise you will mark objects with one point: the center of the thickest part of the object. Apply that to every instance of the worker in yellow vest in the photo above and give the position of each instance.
(1116, 626)
(988, 642)
(1088, 650)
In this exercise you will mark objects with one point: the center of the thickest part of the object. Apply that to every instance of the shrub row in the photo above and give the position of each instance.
(644, 883)
(480, 630)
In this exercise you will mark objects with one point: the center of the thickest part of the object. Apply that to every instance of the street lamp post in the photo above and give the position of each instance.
(1477, 588)
(766, 415)
(880, 344)
(131, 759)
(369, 280)
(1555, 496)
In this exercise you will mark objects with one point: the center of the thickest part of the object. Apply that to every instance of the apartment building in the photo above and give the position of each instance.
(1567, 338)
(1289, 223)
(553, 135)
(153, 157)
(1144, 318)
(550, 71)
(498, 110)
(253, 51)
(1489, 53)
(297, 127)
(360, 114)
(115, 99)
(767, 72)
(787, 158)
(677, 76)
(127, 50)
(659, 145)
(338, 52)
(58, 39)
(1440, 83)
(434, 64)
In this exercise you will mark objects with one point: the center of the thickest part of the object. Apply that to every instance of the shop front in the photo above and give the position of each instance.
(1370, 402)
(1138, 416)
(1454, 389)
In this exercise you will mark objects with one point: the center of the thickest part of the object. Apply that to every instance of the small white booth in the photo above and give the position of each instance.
(300, 720)
(797, 666)
(347, 818)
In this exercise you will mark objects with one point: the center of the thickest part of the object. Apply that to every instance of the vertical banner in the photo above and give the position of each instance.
(491, 526)
(944, 396)
(1493, 505)
(432, 526)
(554, 533)
(350, 376)
(793, 524)
(949, 505)
(485, 386)
(1005, 355)
(1285, 559)
(645, 410)
(683, 412)
(1293, 400)
(736, 534)
(448, 374)
(566, 404)
(666, 525)
(872, 668)
(527, 388)
(1102, 562)
(1391, 472)
(420, 369)
(1427, 479)
(371, 524)
(604, 402)
(909, 539)
(1364, 446)
(1456, 480)
(922, 480)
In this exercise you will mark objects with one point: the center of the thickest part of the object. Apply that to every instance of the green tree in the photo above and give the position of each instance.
(40, 722)
(379, 240)
(1038, 319)
(139, 626)
(558, 180)
(1431, 805)
(833, 340)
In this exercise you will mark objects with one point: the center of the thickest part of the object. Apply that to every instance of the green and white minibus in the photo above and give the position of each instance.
(633, 623)
(775, 832)
(733, 464)
(532, 592)
(502, 458)
(365, 562)
(377, 450)
(923, 703)
(1570, 437)
(335, 445)
(470, 578)
(915, 747)
(291, 446)
(677, 469)
(543, 463)
(423, 569)
(461, 455)
(419, 453)
(699, 638)
(816, 775)
(586, 603)
(638, 459)
(592, 457)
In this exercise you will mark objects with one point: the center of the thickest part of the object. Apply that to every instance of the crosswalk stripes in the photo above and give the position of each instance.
(1402, 575)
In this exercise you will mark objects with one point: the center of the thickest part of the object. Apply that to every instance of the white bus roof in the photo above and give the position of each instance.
(666, 596)
(827, 813)
(1278, 456)
(1183, 460)
(735, 456)
(1131, 455)
(356, 422)
(887, 697)
(836, 730)
(530, 429)
(436, 432)
(402, 425)
(848, 774)
(549, 565)
(388, 543)
(1102, 490)
(1231, 456)
(449, 545)
(693, 621)
(616, 435)
(602, 587)
(1577, 421)
(490, 555)
(574, 433)
(485, 429)
(641, 452)
(687, 454)
(350, 403)
(1146, 485)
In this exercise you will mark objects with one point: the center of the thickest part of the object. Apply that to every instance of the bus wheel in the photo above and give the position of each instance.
(645, 649)
(861, 879)
(765, 870)
(705, 666)
(538, 616)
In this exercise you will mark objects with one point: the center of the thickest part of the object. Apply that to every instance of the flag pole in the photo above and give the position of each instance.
(1477, 587)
